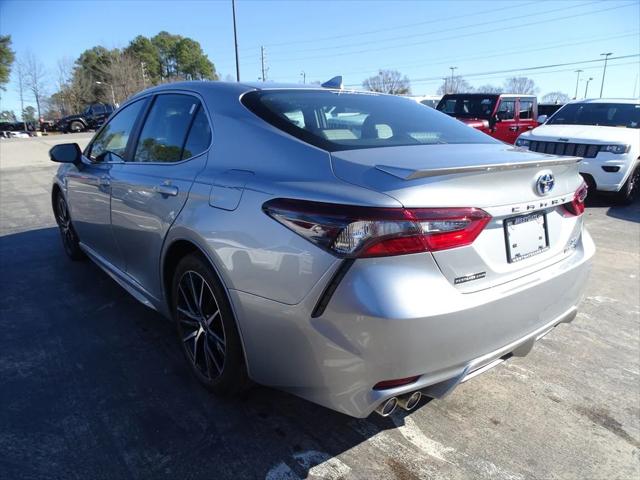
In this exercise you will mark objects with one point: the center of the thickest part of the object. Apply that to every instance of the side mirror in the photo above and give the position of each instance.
(542, 119)
(66, 153)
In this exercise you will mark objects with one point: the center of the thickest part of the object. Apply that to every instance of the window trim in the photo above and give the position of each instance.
(143, 119)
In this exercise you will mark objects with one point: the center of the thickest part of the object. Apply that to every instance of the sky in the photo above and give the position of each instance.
(487, 41)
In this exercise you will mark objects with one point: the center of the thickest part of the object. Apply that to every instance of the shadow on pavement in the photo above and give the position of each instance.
(630, 213)
(94, 386)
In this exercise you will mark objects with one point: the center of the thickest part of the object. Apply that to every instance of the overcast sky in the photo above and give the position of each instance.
(486, 40)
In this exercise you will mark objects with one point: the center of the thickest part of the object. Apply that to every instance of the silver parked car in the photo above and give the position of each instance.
(352, 248)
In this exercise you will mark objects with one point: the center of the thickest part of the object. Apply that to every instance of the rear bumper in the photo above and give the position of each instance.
(399, 317)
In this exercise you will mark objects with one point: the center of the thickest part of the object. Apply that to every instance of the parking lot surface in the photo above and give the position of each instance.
(93, 385)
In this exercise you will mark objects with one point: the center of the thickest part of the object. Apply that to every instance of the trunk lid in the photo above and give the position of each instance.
(498, 178)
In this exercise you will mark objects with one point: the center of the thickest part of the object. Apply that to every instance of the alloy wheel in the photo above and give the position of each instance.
(200, 325)
(64, 222)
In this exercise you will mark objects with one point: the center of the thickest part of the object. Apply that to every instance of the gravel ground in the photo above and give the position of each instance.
(93, 385)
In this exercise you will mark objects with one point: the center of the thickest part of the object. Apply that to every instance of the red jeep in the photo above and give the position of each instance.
(503, 116)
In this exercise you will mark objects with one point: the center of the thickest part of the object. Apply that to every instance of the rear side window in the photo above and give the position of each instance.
(526, 109)
(199, 136)
(337, 120)
(165, 129)
(114, 136)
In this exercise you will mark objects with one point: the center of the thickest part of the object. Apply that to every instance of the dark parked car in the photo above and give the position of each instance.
(90, 119)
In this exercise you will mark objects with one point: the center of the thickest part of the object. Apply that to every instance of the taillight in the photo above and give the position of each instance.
(351, 231)
(576, 206)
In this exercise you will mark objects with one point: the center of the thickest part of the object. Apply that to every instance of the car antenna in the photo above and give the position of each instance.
(335, 82)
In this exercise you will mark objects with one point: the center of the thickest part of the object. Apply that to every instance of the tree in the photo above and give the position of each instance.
(522, 85)
(7, 56)
(142, 49)
(36, 77)
(456, 84)
(8, 116)
(388, 81)
(555, 97)
(29, 114)
(21, 75)
(488, 88)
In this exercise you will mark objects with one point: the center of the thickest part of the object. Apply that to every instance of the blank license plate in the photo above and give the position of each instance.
(526, 236)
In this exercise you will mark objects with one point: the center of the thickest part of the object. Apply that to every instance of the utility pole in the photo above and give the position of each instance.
(604, 71)
(262, 62)
(577, 81)
(144, 75)
(303, 74)
(586, 87)
(235, 39)
(452, 69)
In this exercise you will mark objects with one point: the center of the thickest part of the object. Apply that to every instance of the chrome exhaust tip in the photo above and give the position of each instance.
(410, 401)
(385, 409)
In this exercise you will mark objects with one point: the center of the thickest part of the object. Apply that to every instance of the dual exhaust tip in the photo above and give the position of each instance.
(407, 402)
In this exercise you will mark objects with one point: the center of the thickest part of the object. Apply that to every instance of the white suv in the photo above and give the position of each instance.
(606, 133)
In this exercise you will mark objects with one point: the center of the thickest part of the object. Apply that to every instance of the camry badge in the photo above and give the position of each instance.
(545, 183)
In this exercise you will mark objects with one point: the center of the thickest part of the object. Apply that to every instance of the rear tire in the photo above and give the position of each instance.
(206, 327)
(629, 191)
(70, 240)
(76, 127)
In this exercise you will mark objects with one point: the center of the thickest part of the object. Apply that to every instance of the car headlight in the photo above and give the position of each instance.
(521, 142)
(618, 149)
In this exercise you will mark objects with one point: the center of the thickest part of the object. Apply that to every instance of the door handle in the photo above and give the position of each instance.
(164, 189)
(514, 128)
(105, 181)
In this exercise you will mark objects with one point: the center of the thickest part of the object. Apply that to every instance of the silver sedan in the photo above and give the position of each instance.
(356, 249)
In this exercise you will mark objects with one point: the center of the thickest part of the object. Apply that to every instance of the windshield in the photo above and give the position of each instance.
(334, 120)
(472, 106)
(603, 114)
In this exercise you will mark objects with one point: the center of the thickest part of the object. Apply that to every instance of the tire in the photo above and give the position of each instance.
(76, 127)
(206, 328)
(70, 240)
(629, 191)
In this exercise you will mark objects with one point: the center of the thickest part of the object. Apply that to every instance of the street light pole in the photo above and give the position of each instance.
(113, 93)
(577, 81)
(586, 87)
(303, 74)
(452, 69)
(604, 71)
(235, 40)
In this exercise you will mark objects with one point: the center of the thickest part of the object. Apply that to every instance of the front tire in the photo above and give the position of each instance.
(206, 327)
(70, 240)
(629, 191)
(76, 127)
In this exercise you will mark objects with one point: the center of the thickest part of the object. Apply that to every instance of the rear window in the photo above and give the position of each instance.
(604, 114)
(335, 120)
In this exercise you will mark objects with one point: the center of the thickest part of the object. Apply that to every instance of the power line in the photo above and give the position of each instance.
(494, 30)
(445, 30)
(522, 69)
(397, 27)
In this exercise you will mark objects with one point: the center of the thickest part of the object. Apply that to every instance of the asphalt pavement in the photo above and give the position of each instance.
(93, 385)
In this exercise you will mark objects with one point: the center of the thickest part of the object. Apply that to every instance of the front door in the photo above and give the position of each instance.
(506, 127)
(150, 189)
(89, 186)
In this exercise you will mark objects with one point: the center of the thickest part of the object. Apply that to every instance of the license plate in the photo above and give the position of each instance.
(526, 236)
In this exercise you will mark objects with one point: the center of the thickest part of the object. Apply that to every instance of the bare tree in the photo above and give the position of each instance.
(388, 81)
(520, 85)
(35, 79)
(488, 88)
(555, 97)
(456, 84)
(22, 86)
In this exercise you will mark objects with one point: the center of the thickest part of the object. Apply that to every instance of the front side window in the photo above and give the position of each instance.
(98, 109)
(165, 130)
(507, 110)
(604, 114)
(113, 138)
(526, 109)
(337, 120)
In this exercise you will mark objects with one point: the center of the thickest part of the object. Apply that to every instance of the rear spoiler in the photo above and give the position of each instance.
(412, 174)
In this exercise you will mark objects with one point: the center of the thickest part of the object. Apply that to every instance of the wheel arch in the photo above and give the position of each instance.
(176, 249)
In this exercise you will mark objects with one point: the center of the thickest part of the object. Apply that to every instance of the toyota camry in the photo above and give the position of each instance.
(356, 249)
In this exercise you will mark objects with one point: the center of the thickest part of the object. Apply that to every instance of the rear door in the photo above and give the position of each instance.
(526, 115)
(150, 189)
(506, 127)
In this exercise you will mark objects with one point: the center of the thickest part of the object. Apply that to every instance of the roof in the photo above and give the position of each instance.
(630, 101)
